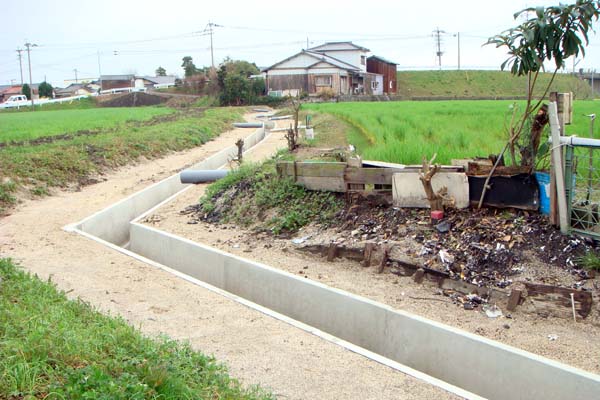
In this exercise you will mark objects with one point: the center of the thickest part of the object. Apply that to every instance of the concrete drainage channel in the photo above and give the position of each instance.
(459, 362)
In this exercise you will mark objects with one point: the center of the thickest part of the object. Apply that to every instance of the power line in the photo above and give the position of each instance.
(95, 44)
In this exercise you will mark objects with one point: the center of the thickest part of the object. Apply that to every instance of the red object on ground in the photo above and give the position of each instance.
(437, 215)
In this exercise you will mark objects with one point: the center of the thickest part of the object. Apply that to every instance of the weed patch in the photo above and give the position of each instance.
(254, 196)
(589, 261)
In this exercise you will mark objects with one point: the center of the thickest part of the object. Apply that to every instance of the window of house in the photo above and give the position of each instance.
(323, 80)
(363, 60)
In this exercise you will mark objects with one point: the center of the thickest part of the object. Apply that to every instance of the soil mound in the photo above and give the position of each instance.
(135, 99)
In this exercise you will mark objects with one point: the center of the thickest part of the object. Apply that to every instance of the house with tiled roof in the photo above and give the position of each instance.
(9, 90)
(339, 68)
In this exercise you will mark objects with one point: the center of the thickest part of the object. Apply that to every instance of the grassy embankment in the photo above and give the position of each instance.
(55, 348)
(465, 84)
(254, 196)
(404, 132)
(73, 159)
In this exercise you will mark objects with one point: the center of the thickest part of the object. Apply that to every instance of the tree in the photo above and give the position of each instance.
(160, 71)
(554, 34)
(236, 91)
(26, 90)
(188, 66)
(45, 89)
(233, 77)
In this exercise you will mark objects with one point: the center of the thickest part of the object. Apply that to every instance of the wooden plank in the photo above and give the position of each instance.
(555, 129)
(384, 259)
(324, 169)
(370, 176)
(553, 300)
(419, 275)
(368, 252)
(514, 299)
(332, 252)
(321, 183)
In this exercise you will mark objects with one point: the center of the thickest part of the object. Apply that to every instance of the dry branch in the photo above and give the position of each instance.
(436, 200)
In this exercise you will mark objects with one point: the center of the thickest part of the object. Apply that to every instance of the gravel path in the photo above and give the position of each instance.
(258, 349)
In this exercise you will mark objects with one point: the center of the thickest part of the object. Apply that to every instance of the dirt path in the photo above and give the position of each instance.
(258, 349)
(576, 344)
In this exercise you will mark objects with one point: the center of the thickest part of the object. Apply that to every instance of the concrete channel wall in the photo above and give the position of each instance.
(466, 364)
(112, 223)
(478, 365)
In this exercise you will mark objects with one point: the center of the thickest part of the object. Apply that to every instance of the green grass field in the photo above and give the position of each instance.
(35, 168)
(19, 126)
(487, 84)
(55, 348)
(404, 132)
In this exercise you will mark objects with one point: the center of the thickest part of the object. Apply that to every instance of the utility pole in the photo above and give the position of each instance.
(458, 37)
(29, 46)
(19, 51)
(210, 28)
(75, 70)
(307, 43)
(99, 69)
(438, 39)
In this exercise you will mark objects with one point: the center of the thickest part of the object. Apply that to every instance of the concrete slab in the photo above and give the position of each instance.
(112, 223)
(472, 363)
(408, 190)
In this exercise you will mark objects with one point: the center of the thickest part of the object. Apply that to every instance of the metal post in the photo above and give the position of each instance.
(593, 88)
(569, 156)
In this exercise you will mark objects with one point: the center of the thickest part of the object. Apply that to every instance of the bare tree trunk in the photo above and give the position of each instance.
(240, 147)
(529, 153)
(436, 201)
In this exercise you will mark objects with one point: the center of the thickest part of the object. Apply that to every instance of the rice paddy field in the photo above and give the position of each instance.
(404, 132)
(20, 126)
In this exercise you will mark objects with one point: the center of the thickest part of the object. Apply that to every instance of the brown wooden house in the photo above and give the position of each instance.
(379, 65)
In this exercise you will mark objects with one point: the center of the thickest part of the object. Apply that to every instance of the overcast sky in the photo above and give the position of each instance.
(117, 37)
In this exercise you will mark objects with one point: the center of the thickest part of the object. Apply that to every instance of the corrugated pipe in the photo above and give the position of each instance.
(202, 176)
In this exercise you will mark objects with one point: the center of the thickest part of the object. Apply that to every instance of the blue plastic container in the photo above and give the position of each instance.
(543, 180)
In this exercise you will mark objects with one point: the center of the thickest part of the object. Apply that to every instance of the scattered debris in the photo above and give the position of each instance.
(443, 227)
(300, 240)
(492, 311)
